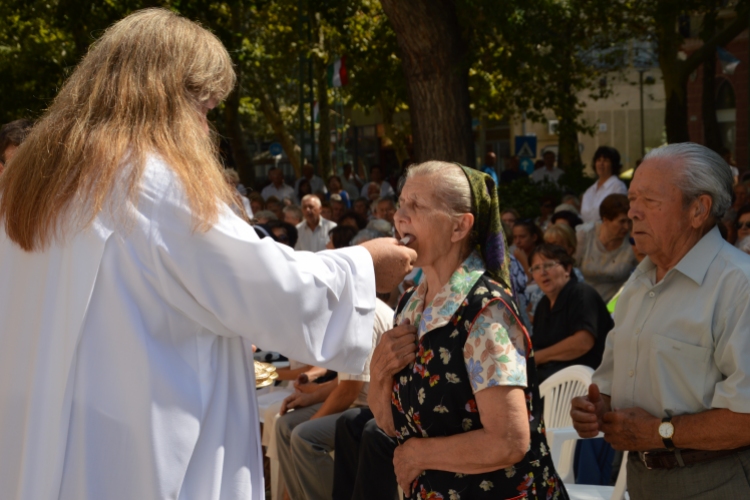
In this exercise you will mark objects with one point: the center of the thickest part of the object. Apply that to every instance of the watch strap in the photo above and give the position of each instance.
(668, 443)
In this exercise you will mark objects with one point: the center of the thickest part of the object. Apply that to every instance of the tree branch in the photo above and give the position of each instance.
(721, 38)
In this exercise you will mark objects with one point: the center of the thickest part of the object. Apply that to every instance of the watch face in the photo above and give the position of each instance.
(666, 429)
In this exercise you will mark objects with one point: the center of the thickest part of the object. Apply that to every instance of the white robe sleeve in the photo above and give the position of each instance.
(315, 308)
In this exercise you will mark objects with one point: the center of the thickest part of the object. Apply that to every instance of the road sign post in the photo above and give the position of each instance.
(526, 152)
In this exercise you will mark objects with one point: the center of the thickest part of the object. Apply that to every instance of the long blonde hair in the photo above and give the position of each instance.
(138, 91)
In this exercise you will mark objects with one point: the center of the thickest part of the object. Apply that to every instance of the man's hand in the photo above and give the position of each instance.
(296, 400)
(308, 388)
(396, 349)
(406, 464)
(587, 412)
(632, 429)
(392, 262)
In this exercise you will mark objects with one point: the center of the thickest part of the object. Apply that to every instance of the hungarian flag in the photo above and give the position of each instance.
(337, 76)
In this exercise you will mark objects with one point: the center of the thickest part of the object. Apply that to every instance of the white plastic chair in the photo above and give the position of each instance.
(558, 390)
(593, 492)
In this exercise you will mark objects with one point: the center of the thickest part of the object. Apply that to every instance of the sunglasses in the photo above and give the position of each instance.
(743, 225)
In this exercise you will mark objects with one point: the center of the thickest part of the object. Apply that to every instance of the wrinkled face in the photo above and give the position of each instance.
(743, 227)
(385, 210)
(524, 239)
(656, 207)
(619, 227)
(549, 274)
(508, 218)
(603, 167)
(421, 217)
(311, 209)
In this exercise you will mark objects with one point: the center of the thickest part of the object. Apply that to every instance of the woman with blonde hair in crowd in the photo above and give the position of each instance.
(132, 293)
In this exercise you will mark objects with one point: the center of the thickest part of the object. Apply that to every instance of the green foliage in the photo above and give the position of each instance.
(524, 195)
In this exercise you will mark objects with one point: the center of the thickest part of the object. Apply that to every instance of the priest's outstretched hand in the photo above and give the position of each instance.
(392, 262)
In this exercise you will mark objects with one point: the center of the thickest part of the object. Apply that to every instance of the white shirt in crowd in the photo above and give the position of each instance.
(285, 191)
(594, 196)
(313, 240)
(125, 370)
(385, 189)
(383, 322)
(316, 184)
(542, 174)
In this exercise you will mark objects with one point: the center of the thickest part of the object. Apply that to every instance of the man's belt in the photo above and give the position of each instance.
(681, 457)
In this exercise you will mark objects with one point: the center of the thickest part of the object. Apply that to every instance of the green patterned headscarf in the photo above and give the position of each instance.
(488, 227)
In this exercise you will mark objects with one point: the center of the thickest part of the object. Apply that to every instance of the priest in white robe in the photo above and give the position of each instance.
(125, 324)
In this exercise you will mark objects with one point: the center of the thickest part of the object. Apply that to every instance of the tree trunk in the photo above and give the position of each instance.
(272, 115)
(711, 132)
(568, 155)
(394, 135)
(676, 116)
(434, 60)
(324, 115)
(669, 42)
(676, 72)
(242, 157)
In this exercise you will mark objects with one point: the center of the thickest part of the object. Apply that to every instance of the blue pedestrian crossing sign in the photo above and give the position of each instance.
(275, 149)
(527, 165)
(526, 146)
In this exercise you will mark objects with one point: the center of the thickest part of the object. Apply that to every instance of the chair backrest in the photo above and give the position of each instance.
(559, 389)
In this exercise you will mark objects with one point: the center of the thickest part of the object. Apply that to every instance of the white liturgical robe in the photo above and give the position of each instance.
(124, 371)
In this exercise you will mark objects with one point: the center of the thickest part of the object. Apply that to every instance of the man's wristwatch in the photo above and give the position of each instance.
(666, 431)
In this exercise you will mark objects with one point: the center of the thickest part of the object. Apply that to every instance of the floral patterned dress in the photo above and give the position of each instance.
(470, 338)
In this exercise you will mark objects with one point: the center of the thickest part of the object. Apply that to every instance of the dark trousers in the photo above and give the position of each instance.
(363, 461)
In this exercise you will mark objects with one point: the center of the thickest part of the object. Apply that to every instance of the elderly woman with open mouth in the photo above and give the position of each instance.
(455, 381)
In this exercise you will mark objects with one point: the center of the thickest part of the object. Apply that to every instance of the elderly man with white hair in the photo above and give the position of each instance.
(673, 386)
(313, 230)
